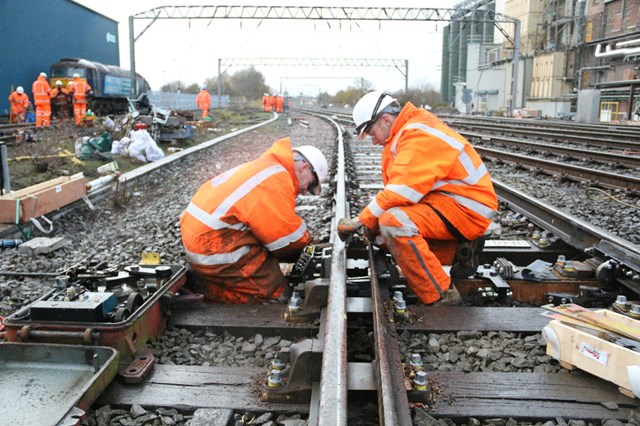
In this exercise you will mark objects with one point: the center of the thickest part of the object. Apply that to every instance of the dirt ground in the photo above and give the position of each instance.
(43, 154)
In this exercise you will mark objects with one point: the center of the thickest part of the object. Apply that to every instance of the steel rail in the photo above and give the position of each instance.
(561, 135)
(393, 403)
(572, 230)
(620, 131)
(598, 177)
(332, 398)
(599, 156)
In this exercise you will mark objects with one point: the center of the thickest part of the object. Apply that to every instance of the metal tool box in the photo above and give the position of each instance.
(49, 384)
(144, 296)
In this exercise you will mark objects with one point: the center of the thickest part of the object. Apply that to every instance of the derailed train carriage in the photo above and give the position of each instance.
(111, 84)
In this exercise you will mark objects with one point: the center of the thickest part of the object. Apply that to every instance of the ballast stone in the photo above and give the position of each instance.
(211, 416)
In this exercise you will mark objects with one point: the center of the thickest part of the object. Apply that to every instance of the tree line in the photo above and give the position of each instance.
(249, 85)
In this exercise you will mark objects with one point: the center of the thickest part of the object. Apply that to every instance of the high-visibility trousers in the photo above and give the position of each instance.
(43, 114)
(420, 244)
(256, 278)
(79, 112)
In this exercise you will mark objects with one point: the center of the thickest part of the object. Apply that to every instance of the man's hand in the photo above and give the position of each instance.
(347, 227)
(370, 234)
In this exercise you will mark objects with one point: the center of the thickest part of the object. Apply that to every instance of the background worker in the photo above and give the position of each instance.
(265, 102)
(60, 98)
(42, 100)
(203, 102)
(19, 102)
(242, 222)
(79, 90)
(437, 201)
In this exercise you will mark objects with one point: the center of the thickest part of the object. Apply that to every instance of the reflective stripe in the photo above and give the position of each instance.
(223, 177)
(375, 208)
(405, 191)
(287, 239)
(217, 259)
(213, 220)
(477, 207)
(472, 179)
(208, 219)
(407, 228)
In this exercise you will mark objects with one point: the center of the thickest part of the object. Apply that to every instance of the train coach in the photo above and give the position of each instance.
(111, 84)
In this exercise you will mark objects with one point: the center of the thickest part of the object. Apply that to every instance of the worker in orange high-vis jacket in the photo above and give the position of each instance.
(79, 89)
(242, 222)
(203, 101)
(19, 102)
(265, 103)
(279, 104)
(41, 98)
(60, 97)
(437, 201)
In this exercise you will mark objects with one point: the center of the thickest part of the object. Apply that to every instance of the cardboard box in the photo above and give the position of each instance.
(37, 200)
(586, 349)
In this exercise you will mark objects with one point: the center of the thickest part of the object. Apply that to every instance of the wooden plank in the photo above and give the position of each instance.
(455, 318)
(527, 396)
(605, 319)
(246, 320)
(191, 387)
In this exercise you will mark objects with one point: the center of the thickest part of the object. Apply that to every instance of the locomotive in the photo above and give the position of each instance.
(111, 84)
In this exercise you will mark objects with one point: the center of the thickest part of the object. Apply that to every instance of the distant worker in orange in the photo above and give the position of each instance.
(203, 101)
(79, 89)
(19, 102)
(242, 222)
(60, 97)
(41, 98)
(273, 103)
(265, 102)
(279, 104)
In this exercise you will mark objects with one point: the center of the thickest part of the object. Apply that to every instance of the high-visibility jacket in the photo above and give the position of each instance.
(203, 100)
(79, 88)
(423, 155)
(19, 102)
(239, 222)
(41, 90)
(60, 97)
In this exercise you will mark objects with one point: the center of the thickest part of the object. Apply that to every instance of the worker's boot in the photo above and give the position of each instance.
(467, 258)
(451, 297)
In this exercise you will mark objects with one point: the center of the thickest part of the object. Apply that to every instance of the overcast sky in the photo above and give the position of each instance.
(188, 50)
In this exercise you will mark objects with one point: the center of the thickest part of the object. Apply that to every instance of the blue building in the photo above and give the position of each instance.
(35, 34)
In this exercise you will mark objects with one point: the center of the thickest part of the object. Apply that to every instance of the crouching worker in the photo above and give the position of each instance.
(241, 223)
(437, 201)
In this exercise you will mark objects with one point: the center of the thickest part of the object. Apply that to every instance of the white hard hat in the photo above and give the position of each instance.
(42, 74)
(76, 75)
(20, 89)
(318, 162)
(369, 107)
(58, 82)
(203, 88)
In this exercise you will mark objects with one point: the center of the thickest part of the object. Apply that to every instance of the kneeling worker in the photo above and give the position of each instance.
(437, 201)
(242, 222)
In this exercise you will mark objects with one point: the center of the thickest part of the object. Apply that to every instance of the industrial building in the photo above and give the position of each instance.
(577, 58)
(32, 37)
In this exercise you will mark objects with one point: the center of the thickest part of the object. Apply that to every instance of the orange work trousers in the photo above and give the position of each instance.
(420, 243)
(43, 115)
(256, 278)
(79, 112)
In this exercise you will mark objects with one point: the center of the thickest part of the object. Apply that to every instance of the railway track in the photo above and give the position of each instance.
(347, 289)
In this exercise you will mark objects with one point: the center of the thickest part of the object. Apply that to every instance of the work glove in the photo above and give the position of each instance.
(347, 227)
